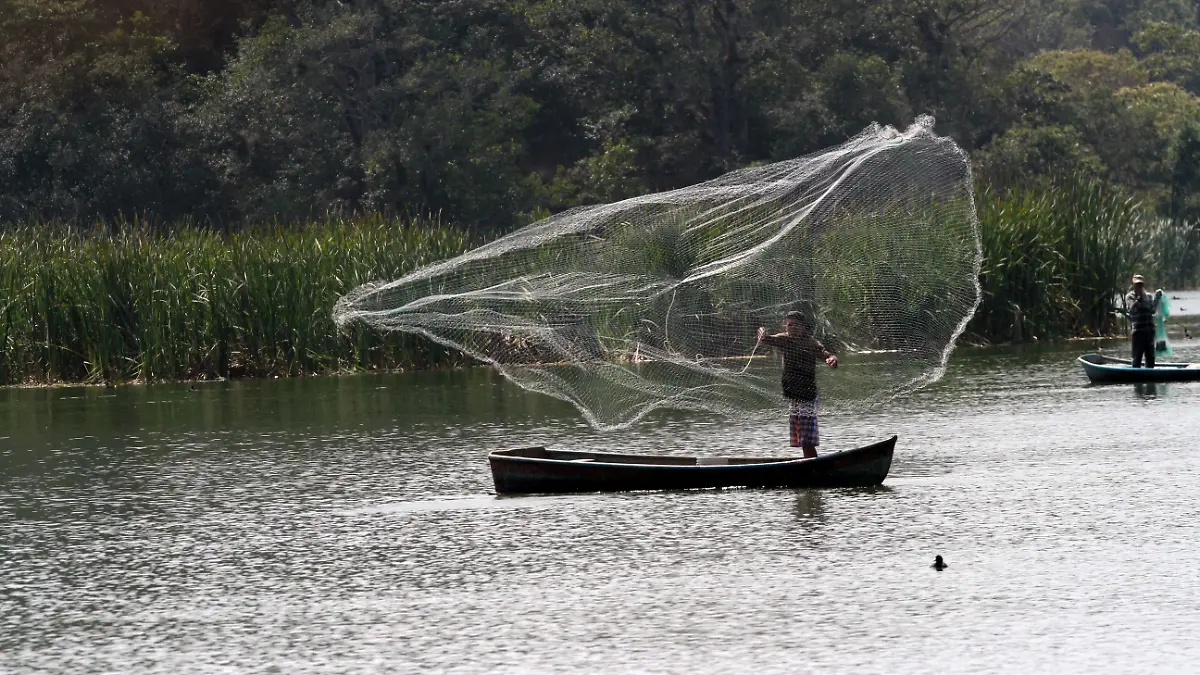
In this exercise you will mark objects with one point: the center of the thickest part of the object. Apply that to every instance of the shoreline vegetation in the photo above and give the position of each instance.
(231, 127)
(128, 302)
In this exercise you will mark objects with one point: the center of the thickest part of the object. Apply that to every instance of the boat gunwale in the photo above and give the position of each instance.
(783, 461)
(1124, 365)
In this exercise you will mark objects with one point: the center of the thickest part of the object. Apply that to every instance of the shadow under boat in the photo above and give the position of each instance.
(543, 470)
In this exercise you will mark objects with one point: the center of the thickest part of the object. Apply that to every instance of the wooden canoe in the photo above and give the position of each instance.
(541, 470)
(1102, 369)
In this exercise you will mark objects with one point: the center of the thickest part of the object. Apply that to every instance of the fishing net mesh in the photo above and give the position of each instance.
(654, 302)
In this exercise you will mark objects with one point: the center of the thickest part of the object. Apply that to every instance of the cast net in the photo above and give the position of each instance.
(655, 301)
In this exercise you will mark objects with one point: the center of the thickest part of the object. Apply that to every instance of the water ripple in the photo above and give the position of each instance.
(348, 526)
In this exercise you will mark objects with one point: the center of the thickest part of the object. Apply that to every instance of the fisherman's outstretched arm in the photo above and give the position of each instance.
(766, 338)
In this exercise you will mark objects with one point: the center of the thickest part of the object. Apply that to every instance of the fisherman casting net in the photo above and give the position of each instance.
(655, 301)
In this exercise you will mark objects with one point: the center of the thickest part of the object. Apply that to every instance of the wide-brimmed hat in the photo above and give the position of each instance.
(1137, 279)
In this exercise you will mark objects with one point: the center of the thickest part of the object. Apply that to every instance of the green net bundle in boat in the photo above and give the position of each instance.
(655, 301)
(1162, 347)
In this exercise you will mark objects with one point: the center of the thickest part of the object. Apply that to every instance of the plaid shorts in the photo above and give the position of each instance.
(802, 422)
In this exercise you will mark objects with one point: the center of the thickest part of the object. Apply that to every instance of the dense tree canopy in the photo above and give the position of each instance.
(494, 111)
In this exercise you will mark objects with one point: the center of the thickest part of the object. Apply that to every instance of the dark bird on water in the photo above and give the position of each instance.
(938, 564)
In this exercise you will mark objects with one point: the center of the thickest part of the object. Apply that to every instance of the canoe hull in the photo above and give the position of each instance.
(861, 467)
(1107, 370)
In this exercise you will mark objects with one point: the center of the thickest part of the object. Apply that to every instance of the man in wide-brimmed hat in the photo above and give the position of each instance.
(1142, 307)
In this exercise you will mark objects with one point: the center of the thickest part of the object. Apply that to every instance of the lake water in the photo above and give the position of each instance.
(1184, 303)
(346, 525)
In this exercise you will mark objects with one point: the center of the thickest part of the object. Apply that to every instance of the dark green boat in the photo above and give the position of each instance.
(1102, 369)
(533, 470)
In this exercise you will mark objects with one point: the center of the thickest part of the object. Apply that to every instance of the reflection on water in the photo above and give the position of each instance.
(1147, 389)
(808, 505)
(348, 525)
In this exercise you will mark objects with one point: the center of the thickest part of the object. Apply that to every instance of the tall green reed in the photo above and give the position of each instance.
(1172, 249)
(134, 303)
(1055, 260)
(126, 301)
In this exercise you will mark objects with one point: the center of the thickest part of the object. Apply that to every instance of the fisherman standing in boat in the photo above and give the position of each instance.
(800, 352)
(1142, 307)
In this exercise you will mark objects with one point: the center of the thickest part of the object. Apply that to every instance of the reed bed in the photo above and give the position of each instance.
(130, 302)
(1173, 248)
(1058, 259)
(98, 305)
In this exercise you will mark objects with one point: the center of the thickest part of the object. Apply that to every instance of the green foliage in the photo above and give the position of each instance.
(86, 113)
(601, 179)
(1171, 52)
(352, 111)
(1172, 249)
(128, 302)
(1148, 128)
(1025, 156)
(1055, 258)
(1112, 122)
(676, 72)
(494, 112)
(868, 290)
(1085, 71)
(1185, 178)
(487, 111)
(858, 90)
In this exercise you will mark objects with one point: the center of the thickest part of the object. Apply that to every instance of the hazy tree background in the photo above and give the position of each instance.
(492, 112)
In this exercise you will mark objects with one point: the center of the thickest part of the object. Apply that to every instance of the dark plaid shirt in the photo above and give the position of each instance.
(1141, 311)
(800, 357)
